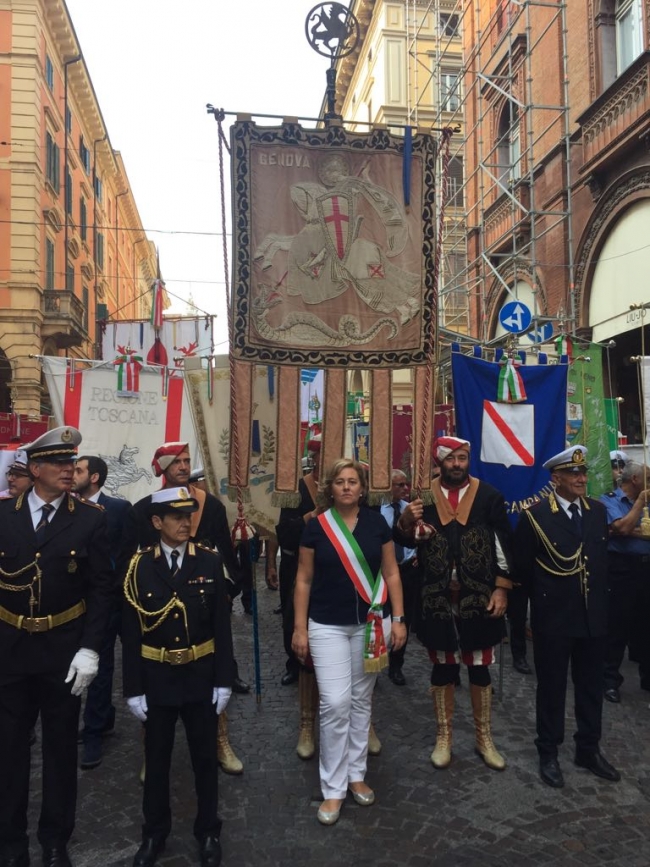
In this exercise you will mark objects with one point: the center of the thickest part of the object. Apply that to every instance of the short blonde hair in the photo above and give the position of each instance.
(335, 470)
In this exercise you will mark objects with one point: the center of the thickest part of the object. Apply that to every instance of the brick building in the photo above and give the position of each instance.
(558, 172)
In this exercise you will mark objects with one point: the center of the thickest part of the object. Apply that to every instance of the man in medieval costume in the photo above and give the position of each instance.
(463, 541)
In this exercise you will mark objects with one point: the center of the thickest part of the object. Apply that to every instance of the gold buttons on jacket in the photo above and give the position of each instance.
(177, 639)
(176, 616)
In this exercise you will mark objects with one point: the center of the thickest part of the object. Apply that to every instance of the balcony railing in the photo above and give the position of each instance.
(64, 318)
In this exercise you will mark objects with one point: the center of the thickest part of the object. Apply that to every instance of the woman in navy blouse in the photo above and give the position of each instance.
(347, 573)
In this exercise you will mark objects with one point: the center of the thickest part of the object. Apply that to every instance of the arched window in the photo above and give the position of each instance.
(508, 144)
(629, 32)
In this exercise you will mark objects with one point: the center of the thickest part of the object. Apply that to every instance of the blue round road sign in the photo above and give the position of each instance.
(542, 334)
(515, 317)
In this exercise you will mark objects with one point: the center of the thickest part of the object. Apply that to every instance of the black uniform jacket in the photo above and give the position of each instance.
(75, 564)
(212, 532)
(561, 603)
(202, 613)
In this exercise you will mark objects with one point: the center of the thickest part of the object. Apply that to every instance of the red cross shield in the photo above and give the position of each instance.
(335, 211)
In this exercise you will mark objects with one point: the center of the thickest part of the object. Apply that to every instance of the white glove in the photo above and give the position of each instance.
(137, 704)
(221, 697)
(83, 669)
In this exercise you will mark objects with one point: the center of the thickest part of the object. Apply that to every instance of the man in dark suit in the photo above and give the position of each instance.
(408, 569)
(99, 712)
(177, 662)
(560, 549)
(55, 597)
(209, 526)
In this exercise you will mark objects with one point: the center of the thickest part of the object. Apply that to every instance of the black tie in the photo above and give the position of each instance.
(41, 527)
(399, 549)
(576, 518)
(175, 567)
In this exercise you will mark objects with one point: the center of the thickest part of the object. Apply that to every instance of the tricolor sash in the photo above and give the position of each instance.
(372, 590)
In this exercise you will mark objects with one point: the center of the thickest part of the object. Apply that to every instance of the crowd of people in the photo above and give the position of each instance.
(78, 568)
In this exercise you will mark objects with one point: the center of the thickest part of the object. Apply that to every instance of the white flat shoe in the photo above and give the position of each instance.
(364, 799)
(328, 817)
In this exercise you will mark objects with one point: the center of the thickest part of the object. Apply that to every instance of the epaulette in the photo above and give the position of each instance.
(205, 548)
(90, 503)
(145, 550)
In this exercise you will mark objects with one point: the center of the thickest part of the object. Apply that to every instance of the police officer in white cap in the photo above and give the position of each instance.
(618, 459)
(56, 588)
(560, 550)
(177, 657)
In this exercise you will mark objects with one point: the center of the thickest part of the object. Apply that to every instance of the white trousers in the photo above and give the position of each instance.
(345, 703)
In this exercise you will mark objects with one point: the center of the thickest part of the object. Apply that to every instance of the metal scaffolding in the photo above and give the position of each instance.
(498, 221)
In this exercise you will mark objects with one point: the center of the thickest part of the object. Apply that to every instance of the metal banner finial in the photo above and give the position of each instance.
(332, 30)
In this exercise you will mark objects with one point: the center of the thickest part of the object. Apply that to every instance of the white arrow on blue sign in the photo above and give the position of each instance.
(515, 317)
(542, 334)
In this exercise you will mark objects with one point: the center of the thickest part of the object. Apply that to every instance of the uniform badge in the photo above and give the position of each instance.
(66, 436)
(72, 567)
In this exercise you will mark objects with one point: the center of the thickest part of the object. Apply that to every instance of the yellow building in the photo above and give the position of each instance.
(404, 71)
(72, 247)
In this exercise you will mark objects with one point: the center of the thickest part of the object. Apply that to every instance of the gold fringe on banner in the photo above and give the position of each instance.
(422, 431)
(381, 434)
(334, 419)
(288, 455)
(241, 421)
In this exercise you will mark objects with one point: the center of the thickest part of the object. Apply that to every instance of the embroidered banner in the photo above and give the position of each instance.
(212, 421)
(510, 442)
(178, 338)
(331, 268)
(587, 417)
(124, 431)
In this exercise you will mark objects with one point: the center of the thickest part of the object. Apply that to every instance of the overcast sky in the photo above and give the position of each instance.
(154, 66)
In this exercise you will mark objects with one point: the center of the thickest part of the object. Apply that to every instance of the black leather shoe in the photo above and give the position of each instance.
(612, 694)
(520, 664)
(210, 852)
(551, 773)
(57, 856)
(289, 677)
(598, 765)
(240, 686)
(91, 757)
(148, 852)
(18, 860)
(395, 674)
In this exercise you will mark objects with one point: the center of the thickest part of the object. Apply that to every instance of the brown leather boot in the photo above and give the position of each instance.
(225, 753)
(482, 707)
(443, 706)
(308, 698)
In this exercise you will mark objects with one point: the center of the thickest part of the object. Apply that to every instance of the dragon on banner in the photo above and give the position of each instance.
(329, 256)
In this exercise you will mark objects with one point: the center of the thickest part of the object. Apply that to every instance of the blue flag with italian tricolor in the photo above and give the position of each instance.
(510, 440)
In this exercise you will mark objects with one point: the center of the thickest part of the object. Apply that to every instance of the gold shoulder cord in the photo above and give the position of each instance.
(131, 594)
(34, 602)
(565, 566)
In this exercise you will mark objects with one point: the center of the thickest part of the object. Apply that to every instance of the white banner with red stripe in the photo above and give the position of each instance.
(124, 431)
(508, 434)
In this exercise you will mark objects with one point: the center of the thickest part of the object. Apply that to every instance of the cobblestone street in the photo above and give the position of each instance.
(465, 816)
